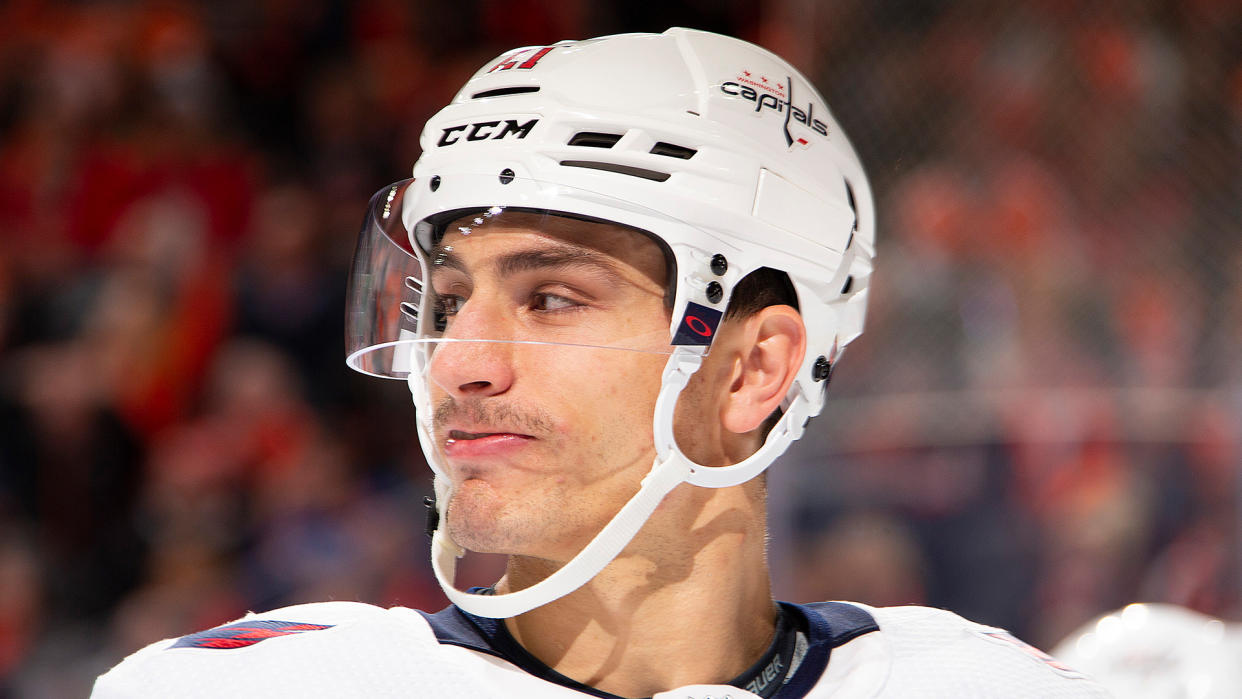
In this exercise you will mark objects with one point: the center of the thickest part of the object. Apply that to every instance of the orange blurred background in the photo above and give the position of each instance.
(1041, 423)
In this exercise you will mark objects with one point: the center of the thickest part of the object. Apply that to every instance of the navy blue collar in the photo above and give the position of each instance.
(829, 625)
(826, 625)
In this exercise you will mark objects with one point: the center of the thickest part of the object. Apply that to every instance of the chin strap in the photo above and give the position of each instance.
(788, 429)
(670, 469)
(587, 564)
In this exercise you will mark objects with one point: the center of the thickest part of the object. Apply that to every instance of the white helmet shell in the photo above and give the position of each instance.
(1158, 651)
(707, 129)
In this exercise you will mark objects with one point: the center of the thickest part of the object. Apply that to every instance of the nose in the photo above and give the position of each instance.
(473, 361)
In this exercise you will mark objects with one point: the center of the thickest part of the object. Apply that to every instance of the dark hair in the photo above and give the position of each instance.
(762, 288)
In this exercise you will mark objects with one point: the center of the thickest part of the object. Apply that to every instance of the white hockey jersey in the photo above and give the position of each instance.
(349, 649)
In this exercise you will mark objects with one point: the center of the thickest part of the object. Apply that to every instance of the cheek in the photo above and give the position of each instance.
(609, 401)
(630, 398)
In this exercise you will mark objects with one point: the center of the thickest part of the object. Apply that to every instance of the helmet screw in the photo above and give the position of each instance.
(435, 182)
(719, 264)
(822, 369)
(715, 292)
(506, 176)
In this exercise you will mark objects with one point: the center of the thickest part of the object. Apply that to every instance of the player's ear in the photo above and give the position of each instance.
(771, 346)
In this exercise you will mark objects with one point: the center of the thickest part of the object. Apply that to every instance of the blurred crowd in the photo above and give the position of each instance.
(1043, 419)
(1042, 422)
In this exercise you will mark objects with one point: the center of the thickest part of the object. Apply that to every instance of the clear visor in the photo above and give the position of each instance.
(541, 269)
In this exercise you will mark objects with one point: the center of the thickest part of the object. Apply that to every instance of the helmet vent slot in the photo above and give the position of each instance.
(621, 169)
(673, 151)
(505, 91)
(592, 139)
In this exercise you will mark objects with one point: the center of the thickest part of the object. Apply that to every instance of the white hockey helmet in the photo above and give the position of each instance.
(1158, 651)
(716, 148)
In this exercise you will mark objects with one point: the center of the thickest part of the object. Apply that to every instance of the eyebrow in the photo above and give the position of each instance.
(559, 256)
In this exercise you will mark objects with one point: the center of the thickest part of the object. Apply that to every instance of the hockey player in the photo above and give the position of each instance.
(616, 287)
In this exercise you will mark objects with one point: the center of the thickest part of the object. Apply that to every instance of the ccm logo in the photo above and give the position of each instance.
(484, 130)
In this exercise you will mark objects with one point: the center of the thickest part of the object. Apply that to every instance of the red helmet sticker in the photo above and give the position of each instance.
(522, 59)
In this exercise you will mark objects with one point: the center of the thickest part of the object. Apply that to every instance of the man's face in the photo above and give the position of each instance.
(544, 442)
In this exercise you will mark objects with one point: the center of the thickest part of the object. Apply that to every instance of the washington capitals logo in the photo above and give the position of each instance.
(768, 94)
(244, 633)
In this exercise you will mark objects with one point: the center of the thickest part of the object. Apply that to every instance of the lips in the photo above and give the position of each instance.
(467, 444)
(455, 435)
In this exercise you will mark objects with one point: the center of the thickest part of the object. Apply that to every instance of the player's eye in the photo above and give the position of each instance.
(443, 308)
(552, 302)
(448, 304)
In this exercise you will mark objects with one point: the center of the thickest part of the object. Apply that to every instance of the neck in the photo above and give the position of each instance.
(693, 586)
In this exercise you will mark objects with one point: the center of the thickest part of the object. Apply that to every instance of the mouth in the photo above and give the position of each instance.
(464, 444)
(455, 435)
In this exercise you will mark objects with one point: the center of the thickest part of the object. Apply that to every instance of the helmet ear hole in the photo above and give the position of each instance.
(761, 288)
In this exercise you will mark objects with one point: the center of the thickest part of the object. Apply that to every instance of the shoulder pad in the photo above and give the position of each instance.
(938, 650)
(322, 649)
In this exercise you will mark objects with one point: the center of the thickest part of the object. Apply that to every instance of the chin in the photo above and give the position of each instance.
(471, 538)
(478, 524)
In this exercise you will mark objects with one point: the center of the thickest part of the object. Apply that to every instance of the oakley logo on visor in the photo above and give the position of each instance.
(698, 325)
